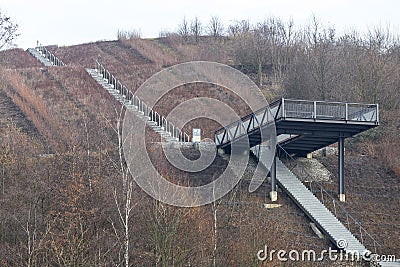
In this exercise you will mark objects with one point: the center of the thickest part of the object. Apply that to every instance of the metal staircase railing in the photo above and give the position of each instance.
(55, 61)
(131, 99)
(329, 201)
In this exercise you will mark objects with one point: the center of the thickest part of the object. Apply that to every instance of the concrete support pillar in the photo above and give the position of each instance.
(273, 193)
(342, 196)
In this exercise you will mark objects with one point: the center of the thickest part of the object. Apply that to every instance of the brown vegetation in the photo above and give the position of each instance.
(68, 200)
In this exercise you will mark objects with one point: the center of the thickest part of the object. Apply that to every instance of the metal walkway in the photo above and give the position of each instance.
(158, 123)
(301, 126)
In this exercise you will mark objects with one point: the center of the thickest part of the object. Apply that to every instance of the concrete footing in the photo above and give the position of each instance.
(273, 195)
(342, 197)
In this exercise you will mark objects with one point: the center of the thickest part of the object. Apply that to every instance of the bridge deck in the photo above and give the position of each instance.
(301, 126)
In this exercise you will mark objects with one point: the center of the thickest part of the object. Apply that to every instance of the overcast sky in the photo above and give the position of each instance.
(68, 22)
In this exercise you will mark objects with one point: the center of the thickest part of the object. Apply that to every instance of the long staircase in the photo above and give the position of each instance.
(313, 207)
(45, 56)
(158, 123)
(154, 120)
(337, 232)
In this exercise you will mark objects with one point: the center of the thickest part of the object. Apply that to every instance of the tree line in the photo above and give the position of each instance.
(312, 61)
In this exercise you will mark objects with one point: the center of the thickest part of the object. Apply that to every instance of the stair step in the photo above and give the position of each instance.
(314, 208)
(40, 57)
(109, 88)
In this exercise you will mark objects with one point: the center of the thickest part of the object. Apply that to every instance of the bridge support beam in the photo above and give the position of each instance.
(342, 196)
(273, 194)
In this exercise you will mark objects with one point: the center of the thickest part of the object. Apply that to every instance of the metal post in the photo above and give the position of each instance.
(273, 193)
(315, 109)
(377, 113)
(342, 196)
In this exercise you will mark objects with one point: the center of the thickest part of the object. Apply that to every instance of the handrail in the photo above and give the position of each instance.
(325, 197)
(50, 56)
(338, 111)
(132, 99)
(324, 101)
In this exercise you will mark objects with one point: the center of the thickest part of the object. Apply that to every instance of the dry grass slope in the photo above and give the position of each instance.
(73, 191)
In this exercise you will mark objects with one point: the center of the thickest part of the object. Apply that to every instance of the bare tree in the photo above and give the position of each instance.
(239, 29)
(278, 37)
(184, 30)
(320, 51)
(215, 27)
(123, 199)
(260, 46)
(375, 68)
(8, 31)
(214, 206)
(314, 65)
(248, 48)
(196, 29)
(261, 52)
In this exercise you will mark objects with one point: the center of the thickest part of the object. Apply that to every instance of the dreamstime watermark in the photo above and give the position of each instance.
(162, 83)
(340, 254)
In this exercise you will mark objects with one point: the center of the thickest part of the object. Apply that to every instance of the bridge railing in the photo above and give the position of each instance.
(297, 109)
(328, 110)
(50, 56)
(332, 203)
(244, 126)
(132, 99)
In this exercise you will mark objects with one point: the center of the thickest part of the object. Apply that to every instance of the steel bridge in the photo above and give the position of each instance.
(302, 126)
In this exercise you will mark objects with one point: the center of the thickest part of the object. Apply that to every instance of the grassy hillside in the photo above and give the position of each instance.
(63, 185)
